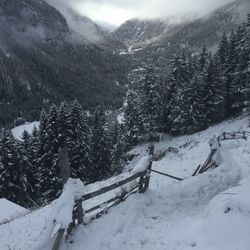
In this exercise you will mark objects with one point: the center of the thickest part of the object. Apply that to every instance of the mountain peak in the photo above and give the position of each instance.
(136, 32)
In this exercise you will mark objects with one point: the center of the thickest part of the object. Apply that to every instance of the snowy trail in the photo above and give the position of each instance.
(178, 215)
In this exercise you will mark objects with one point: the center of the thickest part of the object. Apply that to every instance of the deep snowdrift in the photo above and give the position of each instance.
(207, 212)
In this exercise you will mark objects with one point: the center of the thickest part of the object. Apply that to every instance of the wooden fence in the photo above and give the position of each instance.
(233, 135)
(141, 186)
(78, 211)
(210, 163)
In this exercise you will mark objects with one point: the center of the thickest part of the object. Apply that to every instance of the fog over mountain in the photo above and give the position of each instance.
(66, 47)
(44, 60)
(117, 11)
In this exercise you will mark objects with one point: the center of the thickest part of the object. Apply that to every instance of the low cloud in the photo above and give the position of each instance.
(117, 11)
(85, 29)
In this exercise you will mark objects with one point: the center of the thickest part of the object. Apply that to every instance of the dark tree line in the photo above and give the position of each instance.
(201, 89)
(29, 169)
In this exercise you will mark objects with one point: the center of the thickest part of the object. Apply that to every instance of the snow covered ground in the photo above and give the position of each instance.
(207, 212)
(18, 131)
(10, 211)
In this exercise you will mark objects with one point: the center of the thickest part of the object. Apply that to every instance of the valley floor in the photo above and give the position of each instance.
(207, 212)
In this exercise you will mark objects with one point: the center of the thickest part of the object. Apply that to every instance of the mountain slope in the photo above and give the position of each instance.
(85, 29)
(170, 215)
(136, 32)
(206, 31)
(42, 62)
(182, 215)
(157, 41)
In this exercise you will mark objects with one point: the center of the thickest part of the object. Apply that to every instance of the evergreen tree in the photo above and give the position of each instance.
(50, 182)
(246, 72)
(189, 112)
(12, 172)
(230, 70)
(132, 121)
(181, 69)
(169, 92)
(241, 76)
(62, 123)
(41, 173)
(27, 150)
(150, 102)
(203, 59)
(100, 147)
(181, 75)
(79, 143)
(26, 140)
(215, 93)
(117, 150)
(222, 52)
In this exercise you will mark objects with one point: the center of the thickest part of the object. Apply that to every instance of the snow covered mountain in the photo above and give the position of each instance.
(159, 39)
(206, 31)
(136, 32)
(85, 29)
(44, 60)
(48, 55)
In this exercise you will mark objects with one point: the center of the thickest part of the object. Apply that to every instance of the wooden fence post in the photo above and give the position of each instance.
(58, 239)
(147, 178)
(79, 211)
(244, 135)
(141, 184)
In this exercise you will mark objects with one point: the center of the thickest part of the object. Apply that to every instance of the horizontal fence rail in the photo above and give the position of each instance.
(112, 186)
(234, 135)
(168, 175)
(78, 211)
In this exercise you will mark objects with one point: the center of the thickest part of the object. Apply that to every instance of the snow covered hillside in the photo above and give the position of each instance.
(18, 131)
(206, 212)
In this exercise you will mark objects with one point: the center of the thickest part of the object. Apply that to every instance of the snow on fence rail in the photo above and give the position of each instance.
(140, 173)
(214, 145)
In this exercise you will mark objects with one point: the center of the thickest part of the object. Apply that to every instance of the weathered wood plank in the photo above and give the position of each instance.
(147, 177)
(104, 211)
(196, 170)
(114, 199)
(207, 161)
(58, 239)
(168, 175)
(233, 135)
(101, 205)
(113, 186)
(79, 211)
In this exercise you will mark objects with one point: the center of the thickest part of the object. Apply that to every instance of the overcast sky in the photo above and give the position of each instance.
(115, 12)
